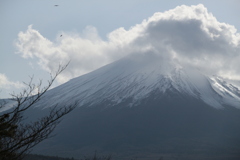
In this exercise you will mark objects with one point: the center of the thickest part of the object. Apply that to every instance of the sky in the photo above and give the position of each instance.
(37, 36)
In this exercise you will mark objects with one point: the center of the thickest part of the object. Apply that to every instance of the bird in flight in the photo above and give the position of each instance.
(60, 35)
(56, 5)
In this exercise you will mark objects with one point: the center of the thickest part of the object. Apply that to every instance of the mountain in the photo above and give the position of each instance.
(135, 79)
(145, 107)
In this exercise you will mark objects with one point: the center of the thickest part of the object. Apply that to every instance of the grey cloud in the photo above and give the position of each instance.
(194, 41)
(185, 36)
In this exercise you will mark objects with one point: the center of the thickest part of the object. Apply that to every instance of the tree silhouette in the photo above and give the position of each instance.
(17, 137)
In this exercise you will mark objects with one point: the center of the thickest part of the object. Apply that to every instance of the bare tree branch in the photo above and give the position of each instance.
(16, 137)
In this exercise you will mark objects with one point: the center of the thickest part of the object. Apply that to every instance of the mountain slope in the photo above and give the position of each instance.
(136, 78)
(145, 107)
(173, 127)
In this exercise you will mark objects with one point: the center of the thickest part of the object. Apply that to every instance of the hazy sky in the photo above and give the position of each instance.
(95, 33)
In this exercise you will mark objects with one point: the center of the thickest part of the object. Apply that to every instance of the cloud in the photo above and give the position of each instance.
(192, 36)
(7, 85)
(187, 35)
(86, 53)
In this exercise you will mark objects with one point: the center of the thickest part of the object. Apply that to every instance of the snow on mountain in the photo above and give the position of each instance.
(229, 93)
(137, 78)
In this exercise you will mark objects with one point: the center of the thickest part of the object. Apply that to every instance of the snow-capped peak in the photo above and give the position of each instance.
(136, 79)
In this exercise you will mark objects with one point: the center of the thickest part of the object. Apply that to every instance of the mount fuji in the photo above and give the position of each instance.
(148, 108)
(134, 79)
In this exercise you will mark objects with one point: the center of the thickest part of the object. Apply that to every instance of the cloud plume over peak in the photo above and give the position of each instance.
(187, 35)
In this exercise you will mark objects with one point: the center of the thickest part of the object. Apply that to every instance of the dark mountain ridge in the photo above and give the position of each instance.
(174, 125)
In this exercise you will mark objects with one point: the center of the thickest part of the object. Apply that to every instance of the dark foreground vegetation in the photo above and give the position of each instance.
(17, 136)
(41, 157)
(161, 157)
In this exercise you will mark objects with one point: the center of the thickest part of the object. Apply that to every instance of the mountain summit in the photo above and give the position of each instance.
(135, 78)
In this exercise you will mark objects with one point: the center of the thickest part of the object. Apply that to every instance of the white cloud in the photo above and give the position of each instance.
(7, 85)
(86, 53)
(187, 35)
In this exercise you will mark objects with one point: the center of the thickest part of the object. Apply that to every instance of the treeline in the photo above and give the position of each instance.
(41, 157)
